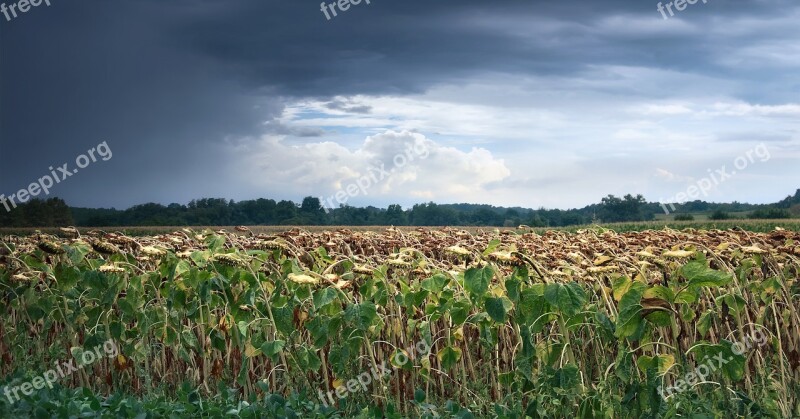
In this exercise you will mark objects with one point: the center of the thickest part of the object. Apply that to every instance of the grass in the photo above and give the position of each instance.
(701, 216)
(756, 226)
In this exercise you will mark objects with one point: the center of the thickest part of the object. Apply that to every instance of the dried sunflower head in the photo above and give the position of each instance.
(677, 254)
(303, 279)
(111, 268)
(51, 247)
(363, 270)
(21, 278)
(602, 269)
(505, 258)
(457, 250)
(753, 250)
(398, 263)
(153, 251)
(122, 240)
(105, 248)
(230, 260)
(273, 245)
(70, 231)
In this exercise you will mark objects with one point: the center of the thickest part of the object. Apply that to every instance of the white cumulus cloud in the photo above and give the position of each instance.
(396, 165)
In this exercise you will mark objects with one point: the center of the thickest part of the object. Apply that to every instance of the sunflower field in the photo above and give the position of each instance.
(415, 323)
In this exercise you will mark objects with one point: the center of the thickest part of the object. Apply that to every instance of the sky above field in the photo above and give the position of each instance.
(517, 103)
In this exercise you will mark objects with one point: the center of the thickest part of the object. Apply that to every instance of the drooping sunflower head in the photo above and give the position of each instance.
(105, 248)
(230, 260)
(50, 247)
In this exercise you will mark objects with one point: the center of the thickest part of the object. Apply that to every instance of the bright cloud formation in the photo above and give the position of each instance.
(413, 166)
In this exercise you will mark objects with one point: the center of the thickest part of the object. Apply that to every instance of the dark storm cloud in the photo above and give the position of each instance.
(407, 46)
(77, 74)
(166, 82)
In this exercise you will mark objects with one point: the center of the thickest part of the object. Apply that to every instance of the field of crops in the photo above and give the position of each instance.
(403, 323)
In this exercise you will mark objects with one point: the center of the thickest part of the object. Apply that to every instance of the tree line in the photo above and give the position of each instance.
(221, 212)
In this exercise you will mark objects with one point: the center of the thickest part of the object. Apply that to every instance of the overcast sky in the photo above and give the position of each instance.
(513, 102)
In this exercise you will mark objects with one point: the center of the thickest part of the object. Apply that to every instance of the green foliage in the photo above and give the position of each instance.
(476, 280)
(266, 336)
(566, 298)
(719, 215)
(627, 208)
(36, 213)
(770, 214)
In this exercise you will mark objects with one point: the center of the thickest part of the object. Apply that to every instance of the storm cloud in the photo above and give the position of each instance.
(528, 103)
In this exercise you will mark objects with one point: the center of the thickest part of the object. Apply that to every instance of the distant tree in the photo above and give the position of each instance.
(344, 215)
(695, 206)
(487, 217)
(719, 215)
(312, 211)
(537, 220)
(684, 217)
(573, 218)
(770, 214)
(789, 201)
(511, 218)
(285, 211)
(431, 214)
(259, 212)
(396, 216)
(146, 214)
(5, 217)
(37, 213)
(627, 208)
